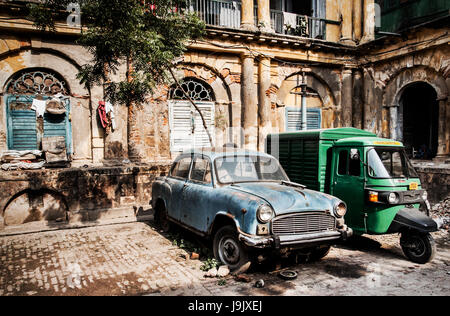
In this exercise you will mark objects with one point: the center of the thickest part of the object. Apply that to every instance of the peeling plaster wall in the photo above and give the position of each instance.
(86, 194)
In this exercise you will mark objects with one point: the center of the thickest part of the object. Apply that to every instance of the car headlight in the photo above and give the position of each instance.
(393, 198)
(340, 209)
(265, 213)
(425, 195)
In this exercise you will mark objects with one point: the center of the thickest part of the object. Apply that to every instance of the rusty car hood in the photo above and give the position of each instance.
(287, 199)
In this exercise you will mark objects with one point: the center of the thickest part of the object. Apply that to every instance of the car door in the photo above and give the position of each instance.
(198, 211)
(177, 181)
(348, 185)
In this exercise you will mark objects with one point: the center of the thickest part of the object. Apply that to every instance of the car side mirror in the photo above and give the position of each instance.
(354, 154)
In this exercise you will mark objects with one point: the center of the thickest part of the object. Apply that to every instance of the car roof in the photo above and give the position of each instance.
(218, 152)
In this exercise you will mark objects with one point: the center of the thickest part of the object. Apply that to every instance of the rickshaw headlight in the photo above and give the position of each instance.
(425, 195)
(340, 210)
(393, 198)
(265, 213)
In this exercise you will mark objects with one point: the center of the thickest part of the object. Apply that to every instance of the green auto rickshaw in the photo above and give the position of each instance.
(372, 175)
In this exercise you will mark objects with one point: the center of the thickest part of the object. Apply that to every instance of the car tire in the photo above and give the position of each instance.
(319, 253)
(418, 247)
(162, 219)
(228, 249)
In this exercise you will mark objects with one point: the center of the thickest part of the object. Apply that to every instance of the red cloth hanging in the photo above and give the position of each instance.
(104, 119)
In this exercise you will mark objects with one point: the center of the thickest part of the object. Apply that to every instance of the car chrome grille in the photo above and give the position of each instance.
(306, 223)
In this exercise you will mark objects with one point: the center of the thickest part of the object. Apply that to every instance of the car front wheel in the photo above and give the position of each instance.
(228, 249)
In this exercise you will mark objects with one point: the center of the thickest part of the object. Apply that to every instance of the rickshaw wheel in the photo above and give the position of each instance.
(418, 247)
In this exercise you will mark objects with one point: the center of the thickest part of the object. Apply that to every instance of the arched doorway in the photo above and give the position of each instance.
(419, 117)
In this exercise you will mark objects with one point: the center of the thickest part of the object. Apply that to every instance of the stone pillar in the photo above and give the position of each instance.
(347, 22)
(264, 101)
(369, 21)
(248, 15)
(394, 125)
(369, 98)
(264, 21)
(357, 98)
(357, 20)
(332, 30)
(347, 102)
(249, 102)
(442, 138)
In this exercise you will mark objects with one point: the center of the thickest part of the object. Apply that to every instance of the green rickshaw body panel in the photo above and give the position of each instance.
(309, 158)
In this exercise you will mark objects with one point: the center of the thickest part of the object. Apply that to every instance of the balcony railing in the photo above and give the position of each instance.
(218, 13)
(299, 25)
(227, 13)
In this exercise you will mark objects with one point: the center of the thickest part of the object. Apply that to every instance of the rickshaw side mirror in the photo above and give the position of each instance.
(354, 154)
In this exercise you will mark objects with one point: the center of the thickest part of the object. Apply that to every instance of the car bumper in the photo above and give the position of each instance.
(295, 240)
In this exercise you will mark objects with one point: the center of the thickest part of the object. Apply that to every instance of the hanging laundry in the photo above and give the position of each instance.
(107, 116)
(39, 106)
(102, 114)
(109, 108)
(290, 19)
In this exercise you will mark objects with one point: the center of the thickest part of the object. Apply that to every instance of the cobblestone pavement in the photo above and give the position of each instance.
(134, 259)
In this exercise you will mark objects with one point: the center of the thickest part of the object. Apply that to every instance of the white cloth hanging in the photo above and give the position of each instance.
(290, 19)
(39, 106)
(109, 109)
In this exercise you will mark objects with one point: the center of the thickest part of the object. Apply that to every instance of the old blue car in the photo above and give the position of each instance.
(246, 204)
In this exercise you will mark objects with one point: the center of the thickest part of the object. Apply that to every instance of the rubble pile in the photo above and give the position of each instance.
(442, 210)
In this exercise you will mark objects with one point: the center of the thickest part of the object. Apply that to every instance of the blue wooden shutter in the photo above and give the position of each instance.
(59, 125)
(294, 119)
(22, 133)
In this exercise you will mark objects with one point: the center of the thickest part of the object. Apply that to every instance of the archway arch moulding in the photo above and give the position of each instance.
(393, 92)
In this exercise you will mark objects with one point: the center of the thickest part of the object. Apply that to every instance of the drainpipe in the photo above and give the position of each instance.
(304, 87)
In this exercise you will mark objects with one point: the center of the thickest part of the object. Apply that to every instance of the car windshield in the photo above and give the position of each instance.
(386, 163)
(235, 169)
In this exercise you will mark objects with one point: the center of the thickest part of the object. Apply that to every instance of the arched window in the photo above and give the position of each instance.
(36, 82)
(196, 89)
(186, 127)
(38, 112)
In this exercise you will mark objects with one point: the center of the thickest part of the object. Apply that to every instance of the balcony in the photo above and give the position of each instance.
(227, 13)
(298, 25)
(218, 13)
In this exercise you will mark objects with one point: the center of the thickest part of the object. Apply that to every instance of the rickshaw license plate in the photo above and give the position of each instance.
(413, 186)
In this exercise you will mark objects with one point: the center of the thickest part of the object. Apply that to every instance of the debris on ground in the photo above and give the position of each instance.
(243, 278)
(442, 210)
(223, 271)
(195, 256)
(288, 275)
(212, 273)
(259, 284)
(244, 268)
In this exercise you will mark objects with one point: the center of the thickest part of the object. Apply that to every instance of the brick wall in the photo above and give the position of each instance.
(82, 195)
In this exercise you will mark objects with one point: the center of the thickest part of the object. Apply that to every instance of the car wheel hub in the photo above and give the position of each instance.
(229, 251)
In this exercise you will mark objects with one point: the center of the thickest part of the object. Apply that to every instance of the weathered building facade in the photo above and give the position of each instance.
(247, 76)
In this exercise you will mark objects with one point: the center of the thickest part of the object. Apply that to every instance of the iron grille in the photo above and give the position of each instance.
(305, 223)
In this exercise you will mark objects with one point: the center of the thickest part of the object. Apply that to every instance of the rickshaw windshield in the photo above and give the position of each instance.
(387, 163)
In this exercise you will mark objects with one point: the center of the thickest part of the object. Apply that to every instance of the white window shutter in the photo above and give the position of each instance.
(186, 126)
